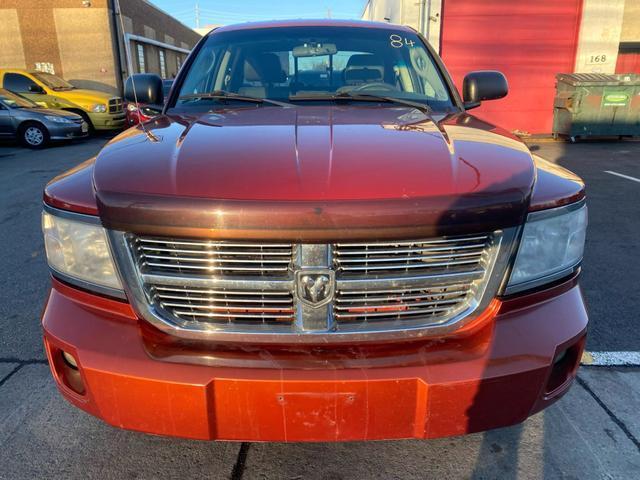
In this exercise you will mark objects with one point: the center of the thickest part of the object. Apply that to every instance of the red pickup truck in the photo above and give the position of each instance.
(314, 241)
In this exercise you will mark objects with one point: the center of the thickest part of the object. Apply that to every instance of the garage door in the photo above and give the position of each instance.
(529, 41)
(628, 61)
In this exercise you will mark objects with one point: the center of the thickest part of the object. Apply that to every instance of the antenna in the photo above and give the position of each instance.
(197, 15)
(148, 133)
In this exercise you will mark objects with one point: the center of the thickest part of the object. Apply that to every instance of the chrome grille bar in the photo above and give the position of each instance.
(446, 254)
(202, 257)
(432, 303)
(224, 305)
(115, 105)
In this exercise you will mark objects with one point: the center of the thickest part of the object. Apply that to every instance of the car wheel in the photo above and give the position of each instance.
(34, 135)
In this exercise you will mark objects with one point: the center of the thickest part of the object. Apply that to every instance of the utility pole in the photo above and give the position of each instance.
(197, 15)
(328, 12)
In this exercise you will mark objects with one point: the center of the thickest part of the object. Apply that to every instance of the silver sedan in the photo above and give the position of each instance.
(34, 126)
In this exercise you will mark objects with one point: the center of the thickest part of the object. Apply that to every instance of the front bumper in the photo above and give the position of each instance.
(136, 378)
(59, 131)
(108, 121)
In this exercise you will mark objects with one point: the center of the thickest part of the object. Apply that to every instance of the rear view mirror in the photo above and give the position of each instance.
(483, 85)
(33, 88)
(315, 50)
(145, 88)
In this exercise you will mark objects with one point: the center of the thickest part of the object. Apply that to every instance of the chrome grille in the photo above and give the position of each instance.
(431, 304)
(115, 105)
(192, 287)
(224, 306)
(204, 257)
(420, 256)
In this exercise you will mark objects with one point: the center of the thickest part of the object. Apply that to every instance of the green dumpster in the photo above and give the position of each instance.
(596, 104)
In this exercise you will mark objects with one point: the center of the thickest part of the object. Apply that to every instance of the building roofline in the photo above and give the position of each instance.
(155, 7)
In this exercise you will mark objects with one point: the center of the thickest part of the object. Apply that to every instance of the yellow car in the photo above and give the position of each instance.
(100, 110)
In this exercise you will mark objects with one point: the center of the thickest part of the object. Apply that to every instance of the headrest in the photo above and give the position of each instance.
(265, 68)
(364, 68)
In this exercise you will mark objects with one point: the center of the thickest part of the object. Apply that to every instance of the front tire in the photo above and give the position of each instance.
(34, 135)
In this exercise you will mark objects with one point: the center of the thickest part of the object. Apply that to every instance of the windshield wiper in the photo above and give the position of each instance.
(224, 95)
(371, 97)
(363, 97)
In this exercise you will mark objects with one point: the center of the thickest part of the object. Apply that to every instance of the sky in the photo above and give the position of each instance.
(217, 12)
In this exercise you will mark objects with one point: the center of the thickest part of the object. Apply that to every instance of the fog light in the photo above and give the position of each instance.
(69, 360)
(560, 357)
(564, 367)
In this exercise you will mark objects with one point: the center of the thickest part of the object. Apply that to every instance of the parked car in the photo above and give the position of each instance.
(316, 241)
(100, 110)
(137, 113)
(34, 126)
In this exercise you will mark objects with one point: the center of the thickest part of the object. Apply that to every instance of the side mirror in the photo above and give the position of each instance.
(145, 87)
(483, 85)
(33, 88)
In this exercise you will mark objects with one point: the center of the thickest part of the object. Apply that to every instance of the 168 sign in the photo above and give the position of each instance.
(597, 59)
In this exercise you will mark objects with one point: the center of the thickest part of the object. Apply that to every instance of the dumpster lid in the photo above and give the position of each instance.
(578, 79)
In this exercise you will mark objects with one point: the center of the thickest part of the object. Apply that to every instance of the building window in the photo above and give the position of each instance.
(178, 62)
(141, 65)
(163, 65)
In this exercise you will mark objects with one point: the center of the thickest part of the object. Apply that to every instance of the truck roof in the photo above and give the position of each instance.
(310, 23)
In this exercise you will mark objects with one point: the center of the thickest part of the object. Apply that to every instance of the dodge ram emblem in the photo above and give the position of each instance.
(315, 287)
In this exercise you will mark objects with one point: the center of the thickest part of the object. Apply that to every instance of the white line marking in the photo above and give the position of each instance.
(633, 179)
(611, 359)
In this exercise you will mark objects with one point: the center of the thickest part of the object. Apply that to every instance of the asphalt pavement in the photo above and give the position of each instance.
(592, 433)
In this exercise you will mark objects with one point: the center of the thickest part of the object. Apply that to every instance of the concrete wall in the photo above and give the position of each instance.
(631, 22)
(76, 29)
(11, 48)
(599, 38)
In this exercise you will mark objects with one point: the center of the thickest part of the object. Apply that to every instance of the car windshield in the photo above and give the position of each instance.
(325, 63)
(53, 82)
(13, 100)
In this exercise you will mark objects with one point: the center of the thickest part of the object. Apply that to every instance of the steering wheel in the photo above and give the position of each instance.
(375, 86)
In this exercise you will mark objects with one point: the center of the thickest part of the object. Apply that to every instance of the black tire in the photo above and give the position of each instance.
(34, 135)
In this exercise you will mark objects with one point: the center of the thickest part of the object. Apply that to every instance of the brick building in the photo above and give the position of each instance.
(83, 40)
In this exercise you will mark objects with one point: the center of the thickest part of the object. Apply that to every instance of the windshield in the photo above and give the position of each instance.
(52, 81)
(12, 100)
(307, 63)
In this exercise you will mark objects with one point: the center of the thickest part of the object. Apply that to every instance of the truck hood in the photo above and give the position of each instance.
(83, 97)
(334, 160)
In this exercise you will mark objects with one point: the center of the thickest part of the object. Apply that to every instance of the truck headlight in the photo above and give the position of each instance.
(98, 108)
(552, 245)
(80, 251)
